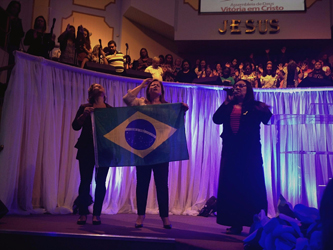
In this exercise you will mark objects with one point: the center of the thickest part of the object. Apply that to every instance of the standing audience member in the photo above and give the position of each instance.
(155, 70)
(86, 157)
(249, 75)
(201, 70)
(292, 75)
(67, 45)
(39, 42)
(154, 95)
(241, 189)
(233, 66)
(168, 69)
(115, 58)
(16, 32)
(83, 47)
(144, 60)
(269, 78)
(186, 74)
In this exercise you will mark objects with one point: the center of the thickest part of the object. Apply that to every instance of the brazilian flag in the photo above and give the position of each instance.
(139, 135)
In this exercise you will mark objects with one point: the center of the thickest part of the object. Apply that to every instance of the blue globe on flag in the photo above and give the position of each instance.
(140, 134)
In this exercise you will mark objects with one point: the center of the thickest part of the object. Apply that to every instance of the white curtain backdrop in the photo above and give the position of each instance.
(39, 172)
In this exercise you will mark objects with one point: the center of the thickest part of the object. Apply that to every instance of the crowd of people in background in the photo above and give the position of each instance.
(271, 71)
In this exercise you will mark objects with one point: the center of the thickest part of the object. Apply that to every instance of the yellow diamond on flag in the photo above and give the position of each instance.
(159, 132)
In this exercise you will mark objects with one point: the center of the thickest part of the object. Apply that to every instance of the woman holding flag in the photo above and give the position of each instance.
(86, 157)
(154, 95)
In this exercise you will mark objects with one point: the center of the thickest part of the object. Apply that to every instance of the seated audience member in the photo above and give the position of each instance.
(218, 70)
(39, 42)
(16, 32)
(168, 69)
(186, 74)
(97, 56)
(115, 58)
(236, 77)
(249, 75)
(226, 78)
(268, 78)
(318, 72)
(67, 45)
(144, 61)
(201, 70)
(107, 49)
(128, 62)
(83, 47)
(305, 70)
(155, 70)
(324, 66)
(209, 72)
(178, 66)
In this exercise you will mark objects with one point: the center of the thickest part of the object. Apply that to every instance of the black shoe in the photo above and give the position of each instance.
(138, 225)
(96, 222)
(234, 230)
(167, 226)
(80, 221)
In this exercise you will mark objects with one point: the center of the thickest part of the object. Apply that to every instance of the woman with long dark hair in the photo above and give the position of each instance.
(15, 28)
(86, 157)
(83, 47)
(241, 190)
(168, 69)
(67, 42)
(144, 60)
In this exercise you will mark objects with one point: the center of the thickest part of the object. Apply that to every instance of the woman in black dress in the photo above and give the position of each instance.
(86, 157)
(241, 190)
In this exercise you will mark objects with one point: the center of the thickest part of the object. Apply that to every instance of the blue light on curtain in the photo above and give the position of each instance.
(39, 170)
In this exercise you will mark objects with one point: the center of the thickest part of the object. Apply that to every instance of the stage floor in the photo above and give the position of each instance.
(188, 232)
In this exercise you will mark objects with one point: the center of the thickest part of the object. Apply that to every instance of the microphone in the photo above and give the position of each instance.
(126, 44)
(54, 20)
(230, 91)
(100, 50)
